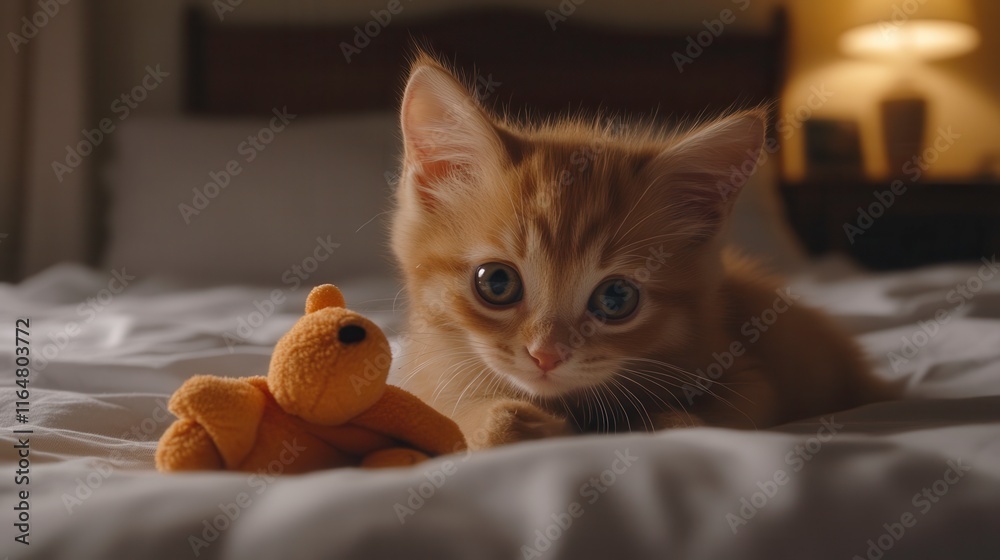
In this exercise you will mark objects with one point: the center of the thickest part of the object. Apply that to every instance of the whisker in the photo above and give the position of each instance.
(457, 368)
(430, 361)
(651, 392)
(467, 387)
(650, 375)
(614, 236)
(669, 392)
(692, 377)
(629, 395)
(395, 298)
(646, 217)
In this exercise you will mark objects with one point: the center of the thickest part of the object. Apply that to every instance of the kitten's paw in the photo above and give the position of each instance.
(514, 421)
(678, 419)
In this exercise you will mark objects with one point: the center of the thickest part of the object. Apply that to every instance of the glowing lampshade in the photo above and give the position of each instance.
(915, 29)
(923, 39)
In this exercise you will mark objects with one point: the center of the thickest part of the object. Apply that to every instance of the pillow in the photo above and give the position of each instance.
(194, 199)
(270, 201)
(758, 226)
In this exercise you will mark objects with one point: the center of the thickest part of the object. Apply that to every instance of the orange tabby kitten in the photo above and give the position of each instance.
(562, 279)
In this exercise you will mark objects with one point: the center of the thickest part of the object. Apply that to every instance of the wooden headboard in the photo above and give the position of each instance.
(525, 66)
(521, 61)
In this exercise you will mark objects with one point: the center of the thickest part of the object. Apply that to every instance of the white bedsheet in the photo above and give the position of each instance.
(97, 410)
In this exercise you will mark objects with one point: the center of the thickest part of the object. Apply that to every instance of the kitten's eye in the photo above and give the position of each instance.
(615, 298)
(498, 284)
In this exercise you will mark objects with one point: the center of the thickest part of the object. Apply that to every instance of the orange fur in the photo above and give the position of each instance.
(568, 205)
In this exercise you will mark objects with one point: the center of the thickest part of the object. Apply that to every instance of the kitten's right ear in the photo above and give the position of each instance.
(703, 173)
(445, 131)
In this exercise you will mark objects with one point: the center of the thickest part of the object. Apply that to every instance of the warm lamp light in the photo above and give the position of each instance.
(921, 39)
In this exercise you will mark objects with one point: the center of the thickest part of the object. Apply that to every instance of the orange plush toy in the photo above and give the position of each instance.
(323, 404)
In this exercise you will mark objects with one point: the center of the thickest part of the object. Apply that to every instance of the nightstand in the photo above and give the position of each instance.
(913, 224)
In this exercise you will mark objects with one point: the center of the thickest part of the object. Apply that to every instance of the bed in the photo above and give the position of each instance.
(915, 478)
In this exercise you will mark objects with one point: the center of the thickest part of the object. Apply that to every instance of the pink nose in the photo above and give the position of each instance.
(545, 358)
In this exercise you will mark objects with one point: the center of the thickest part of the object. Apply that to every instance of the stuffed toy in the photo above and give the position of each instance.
(323, 404)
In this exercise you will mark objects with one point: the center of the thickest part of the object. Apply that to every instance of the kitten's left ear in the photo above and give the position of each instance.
(702, 174)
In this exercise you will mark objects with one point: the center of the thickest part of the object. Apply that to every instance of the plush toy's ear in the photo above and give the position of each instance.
(321, 297)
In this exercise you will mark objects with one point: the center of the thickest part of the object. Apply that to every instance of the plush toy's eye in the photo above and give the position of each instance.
(615, 299)
(498, 284)
(351, 334)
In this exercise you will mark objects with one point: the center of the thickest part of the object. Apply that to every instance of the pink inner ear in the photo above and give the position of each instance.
(429, 173)
(444, 131)
(429, 169)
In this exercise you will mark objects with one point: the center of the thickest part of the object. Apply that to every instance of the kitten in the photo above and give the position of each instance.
(562, 279)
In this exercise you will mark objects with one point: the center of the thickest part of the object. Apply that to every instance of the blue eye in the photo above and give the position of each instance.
(498, 284)
(615, 299)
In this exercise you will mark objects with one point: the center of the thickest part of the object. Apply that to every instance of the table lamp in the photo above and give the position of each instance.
(904, 34)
